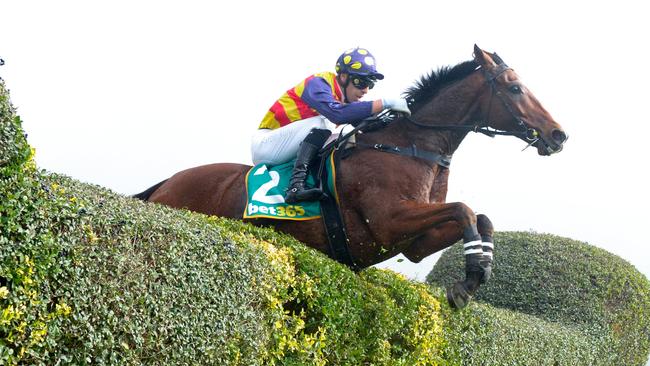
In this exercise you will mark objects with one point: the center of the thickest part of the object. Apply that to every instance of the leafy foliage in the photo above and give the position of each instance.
(563, 282)
(91, 277)
(126, 282)
(14, 149)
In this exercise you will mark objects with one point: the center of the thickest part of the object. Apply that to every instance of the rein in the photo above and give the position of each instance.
(476, 127)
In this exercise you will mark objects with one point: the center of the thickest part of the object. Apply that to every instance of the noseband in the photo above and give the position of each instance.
(526, 133)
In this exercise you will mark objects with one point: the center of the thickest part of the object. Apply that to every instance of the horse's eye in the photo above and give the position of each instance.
(516, 89)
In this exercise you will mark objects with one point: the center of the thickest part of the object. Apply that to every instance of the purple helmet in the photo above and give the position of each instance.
(358, 61)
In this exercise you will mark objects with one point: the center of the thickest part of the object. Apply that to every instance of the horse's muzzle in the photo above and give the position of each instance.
(553, 143)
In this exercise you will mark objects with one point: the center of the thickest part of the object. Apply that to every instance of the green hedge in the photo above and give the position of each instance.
(569, 283)
(88, 276)
(124, 282)
(14, 149)
(91, 277)
(485, 335)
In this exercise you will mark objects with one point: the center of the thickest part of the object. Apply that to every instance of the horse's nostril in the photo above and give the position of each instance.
(559, 136)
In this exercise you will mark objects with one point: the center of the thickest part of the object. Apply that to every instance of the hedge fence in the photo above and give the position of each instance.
(88, 276)
(591, 303)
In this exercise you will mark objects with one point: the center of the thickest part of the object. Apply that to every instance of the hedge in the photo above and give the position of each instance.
(88, 276)
(122, 282)
(91, 277)
(14, 149)
(569, 283)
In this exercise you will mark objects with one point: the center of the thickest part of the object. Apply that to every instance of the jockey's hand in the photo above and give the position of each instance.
(397, 105)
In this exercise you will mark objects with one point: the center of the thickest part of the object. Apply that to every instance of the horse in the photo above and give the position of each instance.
(392, 203)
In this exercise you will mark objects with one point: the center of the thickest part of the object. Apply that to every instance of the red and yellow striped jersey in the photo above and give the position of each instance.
(290, 107)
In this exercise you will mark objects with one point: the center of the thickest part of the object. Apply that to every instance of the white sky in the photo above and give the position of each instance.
(125, 93)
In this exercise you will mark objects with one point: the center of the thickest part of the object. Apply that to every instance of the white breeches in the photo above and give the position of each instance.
(279, 146)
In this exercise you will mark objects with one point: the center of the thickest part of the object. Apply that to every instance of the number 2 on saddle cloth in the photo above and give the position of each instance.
(266, 186)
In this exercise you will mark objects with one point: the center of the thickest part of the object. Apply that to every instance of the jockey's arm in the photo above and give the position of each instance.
(318, 95)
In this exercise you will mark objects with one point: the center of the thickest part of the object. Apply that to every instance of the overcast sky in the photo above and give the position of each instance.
(125, 93)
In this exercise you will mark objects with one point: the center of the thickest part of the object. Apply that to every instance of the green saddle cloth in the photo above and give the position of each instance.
(265, 189)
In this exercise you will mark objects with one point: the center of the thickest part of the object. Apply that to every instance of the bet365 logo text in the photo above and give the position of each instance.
(282, 211)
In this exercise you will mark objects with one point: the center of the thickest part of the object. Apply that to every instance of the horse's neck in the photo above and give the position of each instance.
(456, 105)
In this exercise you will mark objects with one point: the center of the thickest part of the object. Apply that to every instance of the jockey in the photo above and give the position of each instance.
(301, 121)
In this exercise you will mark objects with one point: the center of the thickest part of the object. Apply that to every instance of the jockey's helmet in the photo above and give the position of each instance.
(358, 61)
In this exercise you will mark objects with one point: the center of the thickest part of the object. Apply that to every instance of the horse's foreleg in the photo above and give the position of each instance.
(486, 229)
(478, 263)
(433, 241)
(451, 222)
(445, 235)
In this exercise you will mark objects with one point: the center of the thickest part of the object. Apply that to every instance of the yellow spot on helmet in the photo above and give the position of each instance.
(356, 65)
(362, 51)
(347, 59)
(369, 60)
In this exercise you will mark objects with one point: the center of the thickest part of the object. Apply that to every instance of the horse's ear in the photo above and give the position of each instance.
(482, 57)
(477, 51)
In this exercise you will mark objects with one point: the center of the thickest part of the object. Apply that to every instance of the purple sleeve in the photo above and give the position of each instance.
(318, 95)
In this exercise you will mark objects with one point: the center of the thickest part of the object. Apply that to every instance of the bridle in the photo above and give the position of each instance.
(525, 133)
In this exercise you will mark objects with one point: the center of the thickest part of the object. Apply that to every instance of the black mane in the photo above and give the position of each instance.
(430, 84)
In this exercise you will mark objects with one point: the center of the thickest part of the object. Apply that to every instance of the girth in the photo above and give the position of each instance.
(332, 218)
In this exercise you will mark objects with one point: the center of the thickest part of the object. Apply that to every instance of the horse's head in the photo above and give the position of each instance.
(508, 105)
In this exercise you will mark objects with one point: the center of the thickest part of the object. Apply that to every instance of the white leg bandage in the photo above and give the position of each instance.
(473, 247)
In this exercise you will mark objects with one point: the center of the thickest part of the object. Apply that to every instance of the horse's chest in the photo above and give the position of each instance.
(428, 184)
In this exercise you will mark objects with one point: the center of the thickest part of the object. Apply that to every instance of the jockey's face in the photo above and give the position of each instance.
(352, 92)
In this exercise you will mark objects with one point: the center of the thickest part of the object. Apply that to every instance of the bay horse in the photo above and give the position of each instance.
(391, 203)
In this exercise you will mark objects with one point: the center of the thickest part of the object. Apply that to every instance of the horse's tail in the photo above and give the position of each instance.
(146, 194)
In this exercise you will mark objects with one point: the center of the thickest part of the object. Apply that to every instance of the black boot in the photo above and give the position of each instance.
(306, 153)
(297, 191)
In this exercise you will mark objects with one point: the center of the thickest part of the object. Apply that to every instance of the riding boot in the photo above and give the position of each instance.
(306, 153)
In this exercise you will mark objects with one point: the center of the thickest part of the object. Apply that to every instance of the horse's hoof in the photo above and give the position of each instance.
(457, 296)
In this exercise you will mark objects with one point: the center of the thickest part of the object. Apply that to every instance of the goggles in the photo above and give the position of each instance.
(362, 82)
